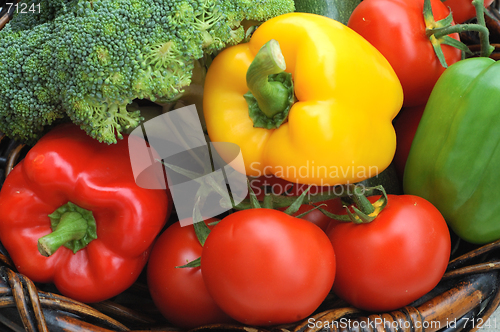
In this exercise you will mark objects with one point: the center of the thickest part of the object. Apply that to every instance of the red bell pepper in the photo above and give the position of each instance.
(76, 199)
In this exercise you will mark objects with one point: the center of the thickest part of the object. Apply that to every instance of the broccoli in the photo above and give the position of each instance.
(85, 61)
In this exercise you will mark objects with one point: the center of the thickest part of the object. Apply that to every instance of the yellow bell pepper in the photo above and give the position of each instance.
(339, 127)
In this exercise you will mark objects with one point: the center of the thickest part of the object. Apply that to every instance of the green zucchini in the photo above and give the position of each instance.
(339, 10)
(387, 178)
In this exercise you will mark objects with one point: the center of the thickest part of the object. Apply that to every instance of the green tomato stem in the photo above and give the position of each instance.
(361, 201)
(363, 211)
(438, 31)
(486, 48)
(484, 34)
(279, 201)
(479, 6)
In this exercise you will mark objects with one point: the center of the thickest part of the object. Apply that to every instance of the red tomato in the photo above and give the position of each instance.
(180, 293)
(397, 29)
(463, 10)
(406, 125)
(394, 260)
(264, 267)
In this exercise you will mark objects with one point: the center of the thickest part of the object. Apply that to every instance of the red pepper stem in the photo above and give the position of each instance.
(72, 226)
(272, 97)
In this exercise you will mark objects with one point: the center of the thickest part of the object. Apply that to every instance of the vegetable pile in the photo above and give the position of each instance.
(368, 138)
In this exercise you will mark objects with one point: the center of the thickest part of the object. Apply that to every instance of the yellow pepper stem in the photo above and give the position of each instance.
(271, 88)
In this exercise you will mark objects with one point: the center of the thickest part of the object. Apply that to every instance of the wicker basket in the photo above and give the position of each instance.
(466, 297)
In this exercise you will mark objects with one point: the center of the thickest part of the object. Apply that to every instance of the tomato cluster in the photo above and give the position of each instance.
(264, 267)
(258, 267)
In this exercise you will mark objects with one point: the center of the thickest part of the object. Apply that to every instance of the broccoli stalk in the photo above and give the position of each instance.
(86, 61)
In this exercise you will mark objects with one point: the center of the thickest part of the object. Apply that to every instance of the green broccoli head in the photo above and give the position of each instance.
(28, 96)
(85, 61)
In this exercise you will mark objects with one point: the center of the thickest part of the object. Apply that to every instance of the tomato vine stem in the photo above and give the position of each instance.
(439, 31)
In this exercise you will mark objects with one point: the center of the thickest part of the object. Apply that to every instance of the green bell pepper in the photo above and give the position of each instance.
(454, 160)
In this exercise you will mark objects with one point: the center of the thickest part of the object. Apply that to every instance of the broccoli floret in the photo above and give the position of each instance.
(85, 61)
